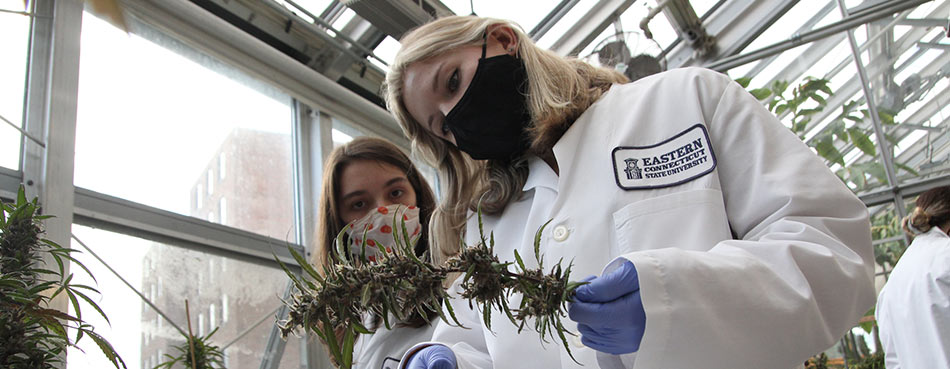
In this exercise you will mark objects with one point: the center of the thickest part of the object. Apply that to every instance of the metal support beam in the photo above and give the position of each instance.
(9, 182)
(926, 23)
(772, 16)
(122, 216)
(590, 26)
(809, 57)
(313, 142)
(552, 18)
(733, 22)
(933, 45)
(363, 34)
(877, 66)
(213, 35)
(849, 22)
(884, 196)
(884, 148)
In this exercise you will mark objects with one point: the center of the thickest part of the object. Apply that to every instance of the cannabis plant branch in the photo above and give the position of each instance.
(33, 334)
(332, 304)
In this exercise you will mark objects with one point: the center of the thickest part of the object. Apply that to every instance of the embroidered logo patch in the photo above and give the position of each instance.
(679, 159)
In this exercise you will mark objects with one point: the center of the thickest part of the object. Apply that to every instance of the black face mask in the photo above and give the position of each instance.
(489, 120)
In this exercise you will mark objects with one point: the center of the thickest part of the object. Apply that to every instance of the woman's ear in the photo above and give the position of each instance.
(505, 37)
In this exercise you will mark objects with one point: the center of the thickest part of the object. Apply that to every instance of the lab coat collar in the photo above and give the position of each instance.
(936, 232)
(540, 174)
(581, 132)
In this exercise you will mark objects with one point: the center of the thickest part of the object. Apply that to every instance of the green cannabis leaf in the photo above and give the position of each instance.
(332, 304)
(33, 334)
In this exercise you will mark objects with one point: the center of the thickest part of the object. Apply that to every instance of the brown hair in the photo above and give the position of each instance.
(933, 210)
(560, 89)
(330, 223)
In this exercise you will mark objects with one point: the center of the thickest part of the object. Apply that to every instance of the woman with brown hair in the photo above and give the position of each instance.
(913, 309)
(722, 241)
(367, 182)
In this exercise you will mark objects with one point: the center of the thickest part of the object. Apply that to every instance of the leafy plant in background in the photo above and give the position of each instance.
(336, 300)
(886, 225)
(206, 355)
(196, 352)
(809, 98)
(35, 336)
(819, 361)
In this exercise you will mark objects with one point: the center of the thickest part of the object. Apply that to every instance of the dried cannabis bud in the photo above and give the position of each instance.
(334, 302)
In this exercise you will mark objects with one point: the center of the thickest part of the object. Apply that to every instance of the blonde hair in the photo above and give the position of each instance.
(933, 210)
(559, 90)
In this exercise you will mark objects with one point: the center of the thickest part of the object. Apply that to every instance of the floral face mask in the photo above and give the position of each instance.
(376, 229)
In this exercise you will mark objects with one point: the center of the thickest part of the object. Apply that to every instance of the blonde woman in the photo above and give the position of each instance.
(913, 309)
(366, 182)
(720, 239)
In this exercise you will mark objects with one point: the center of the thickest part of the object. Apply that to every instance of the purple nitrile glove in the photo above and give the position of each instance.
(609, 312)
(433, 357)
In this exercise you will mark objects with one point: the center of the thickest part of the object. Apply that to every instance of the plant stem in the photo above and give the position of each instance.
(191, 337)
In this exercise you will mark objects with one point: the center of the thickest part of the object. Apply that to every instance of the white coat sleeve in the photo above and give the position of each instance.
(797, 276)
(937, 323)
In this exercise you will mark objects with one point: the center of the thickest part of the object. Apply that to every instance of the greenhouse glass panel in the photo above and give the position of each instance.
(155, 119)
(236, 297)
(14, 46)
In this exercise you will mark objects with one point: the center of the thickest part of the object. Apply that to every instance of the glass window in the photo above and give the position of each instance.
(576, 14)
(888, 240)
(141, 335)
(223, 210)
(222, 166)
(14, 45)
(211, 180)
(154, 119)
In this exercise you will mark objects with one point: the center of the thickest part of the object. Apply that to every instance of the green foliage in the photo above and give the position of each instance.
(332, 304)
(34, 335)
(850, 127)
(205, 354)
(819, 361)
(886, 225)
(875, 361)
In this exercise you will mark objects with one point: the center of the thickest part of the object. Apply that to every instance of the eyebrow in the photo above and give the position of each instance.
(396, 180)
(362, 192)
(352, 194)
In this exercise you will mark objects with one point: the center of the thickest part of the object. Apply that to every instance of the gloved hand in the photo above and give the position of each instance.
(433, 357)
(609, 311)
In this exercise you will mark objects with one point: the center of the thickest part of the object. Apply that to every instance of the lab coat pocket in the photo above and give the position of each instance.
(690, 220)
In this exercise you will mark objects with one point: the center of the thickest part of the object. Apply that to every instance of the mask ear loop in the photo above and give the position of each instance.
(484, 42)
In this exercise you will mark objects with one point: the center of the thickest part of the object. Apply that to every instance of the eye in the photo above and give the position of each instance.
(453, 83)
(397, 193)
(357, 205)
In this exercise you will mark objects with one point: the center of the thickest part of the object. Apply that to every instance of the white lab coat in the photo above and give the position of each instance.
(913, 310)
(759, 263)
(384, 348)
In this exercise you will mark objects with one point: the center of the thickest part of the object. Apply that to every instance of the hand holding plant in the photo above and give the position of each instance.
(331, 304)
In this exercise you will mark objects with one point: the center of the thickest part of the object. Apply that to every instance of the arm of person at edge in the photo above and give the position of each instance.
(801, 263)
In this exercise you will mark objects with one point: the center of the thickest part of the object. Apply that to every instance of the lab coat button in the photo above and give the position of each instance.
(560, 233)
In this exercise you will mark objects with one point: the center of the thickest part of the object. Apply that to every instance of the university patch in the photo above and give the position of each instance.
(679, 159)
